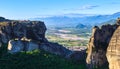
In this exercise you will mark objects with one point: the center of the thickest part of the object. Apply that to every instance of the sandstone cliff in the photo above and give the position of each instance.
(113, 50)
(98, 45)
(104, 39)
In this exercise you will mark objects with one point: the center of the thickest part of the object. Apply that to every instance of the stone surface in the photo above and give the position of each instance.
(32, 46)
(98, 44)
(34, 30)
(55, 48)
(20, 45)
(15, 46)
(22, 35)
(113, 50)
(118, 21)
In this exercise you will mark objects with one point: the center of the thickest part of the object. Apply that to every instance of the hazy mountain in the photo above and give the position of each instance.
(113, 21)
(72, 20)
(82, 26)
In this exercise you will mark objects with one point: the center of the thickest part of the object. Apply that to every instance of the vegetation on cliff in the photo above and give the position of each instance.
(37, 59)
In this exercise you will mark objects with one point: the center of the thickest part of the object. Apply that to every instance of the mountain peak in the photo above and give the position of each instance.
(118, 13)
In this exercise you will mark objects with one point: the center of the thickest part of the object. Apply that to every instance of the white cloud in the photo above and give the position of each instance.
(85, 7)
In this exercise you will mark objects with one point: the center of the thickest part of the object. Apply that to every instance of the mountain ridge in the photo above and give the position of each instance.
(73, 21)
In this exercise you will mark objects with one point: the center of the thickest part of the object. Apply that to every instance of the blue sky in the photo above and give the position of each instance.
(23, 9)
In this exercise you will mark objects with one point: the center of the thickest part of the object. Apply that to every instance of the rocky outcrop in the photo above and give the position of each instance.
(34, 30)
(98, 44)
(113, 50)
(22, 35)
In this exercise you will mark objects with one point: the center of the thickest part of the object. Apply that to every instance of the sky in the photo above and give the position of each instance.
(24, 9)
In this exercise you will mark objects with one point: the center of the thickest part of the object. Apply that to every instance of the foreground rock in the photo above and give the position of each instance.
(113, 50)
(104, 42)
(34, 30)
(23, 45)
(98, 44)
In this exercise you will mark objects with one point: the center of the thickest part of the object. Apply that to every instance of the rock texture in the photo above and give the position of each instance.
(18, 45)
(98, 45)
(104, 46)
(113, 50)
(34, 30)
(22, 35)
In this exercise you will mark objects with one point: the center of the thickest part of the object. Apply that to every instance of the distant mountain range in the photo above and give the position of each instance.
(72, 20)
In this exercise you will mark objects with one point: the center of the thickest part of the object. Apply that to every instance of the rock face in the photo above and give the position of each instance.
(55, 48)
(98, 44)
(113, 50)
(34, 30)
(18, 45)
(22, 35)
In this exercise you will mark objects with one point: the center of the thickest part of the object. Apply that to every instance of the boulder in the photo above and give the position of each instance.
(15, 46)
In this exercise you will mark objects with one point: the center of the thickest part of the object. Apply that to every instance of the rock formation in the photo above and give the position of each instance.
(27, 36)
(19, 33)
(104, 47)
(98, 44)
(113, 50)
(18, 29)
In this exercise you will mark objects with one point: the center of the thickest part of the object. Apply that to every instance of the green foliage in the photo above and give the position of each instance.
(36, 59)
(3, 49)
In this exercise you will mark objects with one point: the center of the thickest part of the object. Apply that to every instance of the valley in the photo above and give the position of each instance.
(69, 37)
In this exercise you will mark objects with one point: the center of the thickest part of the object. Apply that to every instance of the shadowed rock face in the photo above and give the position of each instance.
(34, 30)
(118, 21)
(113, 50)
(98, 44)
(21, 35)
